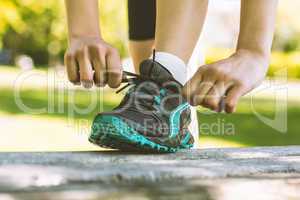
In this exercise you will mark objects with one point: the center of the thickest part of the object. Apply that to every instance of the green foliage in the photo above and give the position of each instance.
(280, 62)
(287, 27)
(287, 42)
(113, 19)
(35, 28)
(39, 29)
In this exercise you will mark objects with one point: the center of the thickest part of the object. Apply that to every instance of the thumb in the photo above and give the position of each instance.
(233, 97)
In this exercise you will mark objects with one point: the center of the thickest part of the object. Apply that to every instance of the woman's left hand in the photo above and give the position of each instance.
(219, 86)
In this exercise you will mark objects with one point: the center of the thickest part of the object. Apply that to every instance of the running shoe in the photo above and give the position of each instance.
(153, 115)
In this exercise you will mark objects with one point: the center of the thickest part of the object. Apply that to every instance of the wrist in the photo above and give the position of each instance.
(76, 37)
(261, 60)
(89, 30)
(258, 50)
(250, 53)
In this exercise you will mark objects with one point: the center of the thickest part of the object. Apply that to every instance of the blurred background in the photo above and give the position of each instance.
(41, 111)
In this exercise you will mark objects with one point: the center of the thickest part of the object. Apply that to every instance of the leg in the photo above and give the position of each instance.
(141, 15)
(178, 26)
(139, 51)
(173, 39)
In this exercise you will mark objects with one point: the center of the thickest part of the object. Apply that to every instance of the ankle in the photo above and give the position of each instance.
(174, 65)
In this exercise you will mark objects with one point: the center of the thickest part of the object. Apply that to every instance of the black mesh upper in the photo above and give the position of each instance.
(141, 111)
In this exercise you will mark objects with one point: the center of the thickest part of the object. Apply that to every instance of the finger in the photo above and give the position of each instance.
(214, 97)
(85, 68)
(190, 87)
(99, 74)
(72, 69)
(232, 98)
(113, 69)
(98, 56)
(202, 91)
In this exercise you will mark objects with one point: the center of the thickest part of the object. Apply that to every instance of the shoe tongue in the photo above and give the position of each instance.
(159, 74)
(155, 71)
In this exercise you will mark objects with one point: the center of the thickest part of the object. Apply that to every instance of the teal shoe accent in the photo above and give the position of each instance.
(185, 142)
(174, 121)
(111, 131)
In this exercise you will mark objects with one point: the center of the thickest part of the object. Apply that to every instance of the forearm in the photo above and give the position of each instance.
(83, 18)
(257, 26)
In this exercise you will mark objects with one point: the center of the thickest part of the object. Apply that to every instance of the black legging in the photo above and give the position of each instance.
(141, 17)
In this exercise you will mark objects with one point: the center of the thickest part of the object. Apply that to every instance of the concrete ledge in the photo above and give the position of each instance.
(199, 174)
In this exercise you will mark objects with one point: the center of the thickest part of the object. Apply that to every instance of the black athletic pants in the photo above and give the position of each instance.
(141, 17)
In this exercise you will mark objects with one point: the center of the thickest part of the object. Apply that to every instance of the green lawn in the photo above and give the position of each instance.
(23, 131)
(250, 131)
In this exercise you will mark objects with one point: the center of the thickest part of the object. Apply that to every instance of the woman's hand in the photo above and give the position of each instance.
(90, 60)
(219, 85)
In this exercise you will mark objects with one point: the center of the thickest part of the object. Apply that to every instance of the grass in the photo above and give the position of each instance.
(249, 130)
(57, 130)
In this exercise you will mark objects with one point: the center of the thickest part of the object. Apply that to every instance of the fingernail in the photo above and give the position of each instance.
(87, 85)
(100, 84)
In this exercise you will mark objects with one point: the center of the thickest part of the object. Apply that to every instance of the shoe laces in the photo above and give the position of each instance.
(135, 79)
(132, 79)
(144, 97)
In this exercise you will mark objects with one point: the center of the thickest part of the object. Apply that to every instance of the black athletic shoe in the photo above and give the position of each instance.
(153, 116)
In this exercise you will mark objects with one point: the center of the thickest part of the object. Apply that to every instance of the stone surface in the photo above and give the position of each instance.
(266, 173)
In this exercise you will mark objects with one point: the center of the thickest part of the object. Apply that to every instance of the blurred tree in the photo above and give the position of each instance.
(114, 25)
(35, 28)
(38, 28)
(287, 35)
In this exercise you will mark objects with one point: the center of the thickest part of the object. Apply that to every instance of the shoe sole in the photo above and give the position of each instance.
(112, 132)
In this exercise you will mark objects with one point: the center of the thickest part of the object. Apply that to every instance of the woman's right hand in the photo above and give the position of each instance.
(91, 60)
